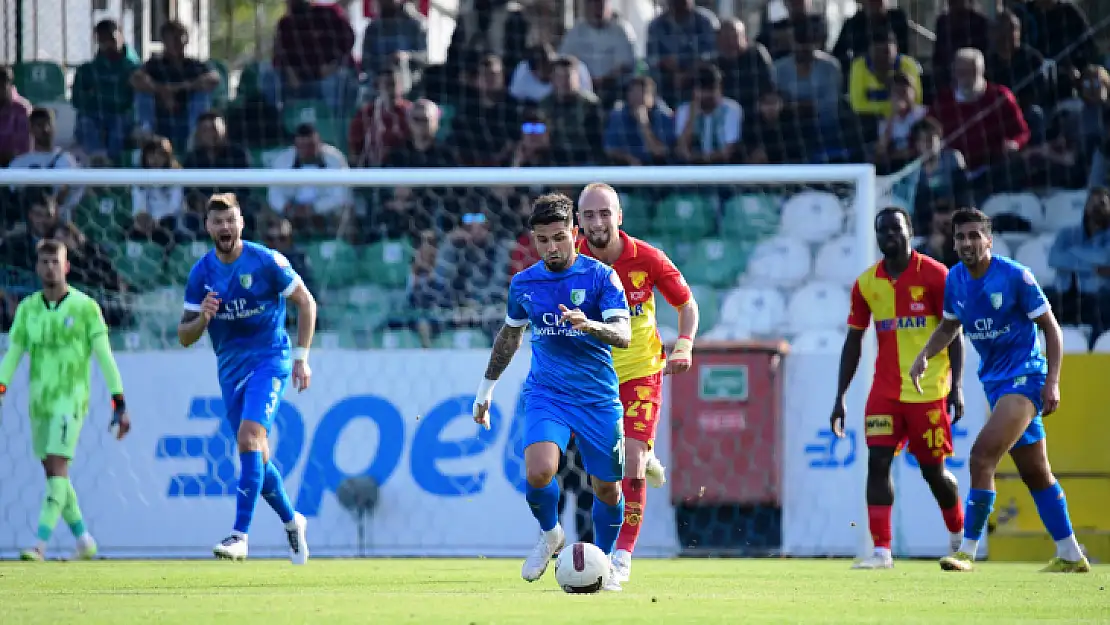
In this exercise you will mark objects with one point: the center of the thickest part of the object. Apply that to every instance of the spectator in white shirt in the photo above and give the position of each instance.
(531, 81)
(894, 150)
(44, 155)
(325, 210)
(605, 43)
(156, 208)
(708, 127)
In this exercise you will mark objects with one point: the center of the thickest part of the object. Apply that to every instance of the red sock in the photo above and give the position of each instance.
(954, 518)
(878, 518)
(635, 496)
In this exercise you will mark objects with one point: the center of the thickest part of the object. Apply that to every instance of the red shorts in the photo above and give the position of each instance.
(642, 399)
(926, 426)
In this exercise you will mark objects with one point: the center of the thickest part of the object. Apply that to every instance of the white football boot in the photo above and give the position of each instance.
(656, 472)
(234, 547)
(955, 541)
(298, 543)
(622, 565)
(874, 561)
(612, 583)
(86, 547)
(550, 543)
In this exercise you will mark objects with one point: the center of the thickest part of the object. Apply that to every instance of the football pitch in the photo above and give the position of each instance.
(480, 592)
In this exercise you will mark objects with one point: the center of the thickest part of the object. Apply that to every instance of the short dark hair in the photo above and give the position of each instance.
(49, 246)
(173, 27)
(902, 80)
(644, 82)
(927, 125)
(106, 28)
(209, 116)
(707, 76)
(6, 76)
(40, 114)
(883, 34)
(568, 63)
(305, 130)
(895, 210)
(971, 216)
(552, 208)
(38, 196)
(1099, 191)
(221, 202)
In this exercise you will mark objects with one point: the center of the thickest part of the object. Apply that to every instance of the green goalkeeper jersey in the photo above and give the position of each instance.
(60, 339)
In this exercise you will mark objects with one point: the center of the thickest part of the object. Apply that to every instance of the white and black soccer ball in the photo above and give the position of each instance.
(582, 569)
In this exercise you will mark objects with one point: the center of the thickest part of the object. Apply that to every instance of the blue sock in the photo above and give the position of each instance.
(1053, 508)
(979, 506)
(250, 482)
(607, 523)
(273, 491)
(545, 504)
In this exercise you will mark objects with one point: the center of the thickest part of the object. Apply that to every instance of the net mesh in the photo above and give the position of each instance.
(426, 267)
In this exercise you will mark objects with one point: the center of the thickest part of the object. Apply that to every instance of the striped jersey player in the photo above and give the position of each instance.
(902, 297)
(641, 366)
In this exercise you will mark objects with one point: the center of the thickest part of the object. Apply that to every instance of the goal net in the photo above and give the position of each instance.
(410, 268)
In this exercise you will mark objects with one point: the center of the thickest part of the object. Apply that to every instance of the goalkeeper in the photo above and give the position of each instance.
(60, 326)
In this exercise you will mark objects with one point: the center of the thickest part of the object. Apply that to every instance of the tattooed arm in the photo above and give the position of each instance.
(616, 331)
(504, 347)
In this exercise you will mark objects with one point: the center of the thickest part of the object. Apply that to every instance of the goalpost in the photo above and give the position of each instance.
(771, 252)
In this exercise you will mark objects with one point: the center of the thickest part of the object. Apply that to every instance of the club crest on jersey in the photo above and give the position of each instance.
(246, 280)
(917, 292)
(638, 278)
(577, 296)
(996, 300)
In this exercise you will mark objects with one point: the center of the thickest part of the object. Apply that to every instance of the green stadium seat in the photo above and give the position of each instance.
(717, 262)
(372, 306)
(104, 214)
(315, 112)
(135, 340)
(750, 217)
(462, 339)
(397, 339)
(220, 96)
(250, 83)
(334, 263)
(387, 263)
(638, 214)
(40, 81)
(685, 216)
(709, 306)
(181, 260)
(140, 264)
(446, 121)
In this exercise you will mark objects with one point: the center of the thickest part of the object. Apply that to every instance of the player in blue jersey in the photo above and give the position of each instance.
(237, 292)
(578, 311)
(1000, 306)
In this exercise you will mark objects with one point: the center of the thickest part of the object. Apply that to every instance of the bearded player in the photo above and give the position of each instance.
(641, 366)
(60, 327)
(904, 293)
(237, 293)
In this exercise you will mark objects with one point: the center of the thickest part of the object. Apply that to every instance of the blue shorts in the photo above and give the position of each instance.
(1029, 386)
(255, 398)
(599, 429)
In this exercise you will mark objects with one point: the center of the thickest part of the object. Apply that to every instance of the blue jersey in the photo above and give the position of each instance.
(997, 313)
(568, 366)
(248, 334)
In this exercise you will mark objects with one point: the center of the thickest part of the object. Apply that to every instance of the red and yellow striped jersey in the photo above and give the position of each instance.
(905, 312)
(643, 268)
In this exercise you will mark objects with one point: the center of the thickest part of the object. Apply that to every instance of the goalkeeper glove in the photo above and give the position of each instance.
(119, 408)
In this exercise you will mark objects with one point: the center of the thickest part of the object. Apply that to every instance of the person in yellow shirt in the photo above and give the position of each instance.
(869, 80)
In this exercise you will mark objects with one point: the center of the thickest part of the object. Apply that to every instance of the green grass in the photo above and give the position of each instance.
(490, 591)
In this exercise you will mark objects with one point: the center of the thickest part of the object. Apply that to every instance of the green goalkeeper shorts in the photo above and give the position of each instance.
(56, 435)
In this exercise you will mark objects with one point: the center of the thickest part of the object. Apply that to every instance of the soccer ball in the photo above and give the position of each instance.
(582, 568)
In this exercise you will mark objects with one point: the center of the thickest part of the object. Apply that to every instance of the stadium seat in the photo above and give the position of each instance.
(372, 306)
(40, 81)
(1064, 209)
(181, 260)
(135, 340)
(104, 214)
(397, 339)
(1102, 344)
(836, 261)
(709, 306)
(686, 216)
(1075, 340)
(812, 216)
(677, 250)
(750, 217)
(717, 263)
(387, 263)
(818, 306)
(1034, 255)
(779, 262)
(140, 264)
(315, 112)
(166, 301)
(65, 123)
(1023, 205)
(818, 342)
(462, 339)
(334, 263)
(638, 214)
(446, 122)
(752, 311)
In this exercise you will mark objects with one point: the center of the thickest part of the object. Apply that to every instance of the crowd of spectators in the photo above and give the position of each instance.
(1014, 102)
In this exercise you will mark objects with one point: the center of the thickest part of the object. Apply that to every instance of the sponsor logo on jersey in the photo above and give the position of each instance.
(637, 278)
(901, 323)
(639, 296)
(879, 425)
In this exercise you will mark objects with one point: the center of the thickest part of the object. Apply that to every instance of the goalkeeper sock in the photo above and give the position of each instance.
(273, 491)
(1052, 505)
(57, 493)
(607, 523)
(980, 503)
(879, 522)
(544, 503)
(71, 513)
(635, 497)
(250, 483)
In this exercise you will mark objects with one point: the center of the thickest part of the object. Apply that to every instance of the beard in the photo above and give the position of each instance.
(599, 240)
(556, 265)
(226, 244)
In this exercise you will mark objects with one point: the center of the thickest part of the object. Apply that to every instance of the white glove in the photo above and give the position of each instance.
(482, 400)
